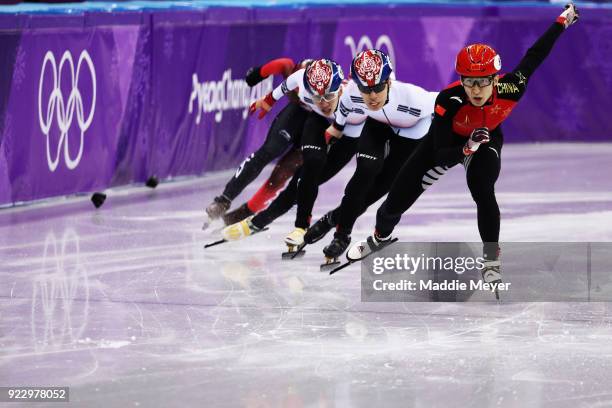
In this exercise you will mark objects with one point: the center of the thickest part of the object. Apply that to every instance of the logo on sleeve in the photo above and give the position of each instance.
(507, 88)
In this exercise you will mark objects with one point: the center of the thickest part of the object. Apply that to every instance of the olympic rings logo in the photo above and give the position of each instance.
(64, 111)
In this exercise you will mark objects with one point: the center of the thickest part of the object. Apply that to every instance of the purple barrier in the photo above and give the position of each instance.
(96, 100)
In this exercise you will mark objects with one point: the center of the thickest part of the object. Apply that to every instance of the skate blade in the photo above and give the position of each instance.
(289, 255)
(340, 267)
(329, 265)
(221, 241)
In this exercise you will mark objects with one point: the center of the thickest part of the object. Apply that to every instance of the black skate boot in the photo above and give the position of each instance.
(237, 215)
(336, 248)
(216, 209)
(319, 229)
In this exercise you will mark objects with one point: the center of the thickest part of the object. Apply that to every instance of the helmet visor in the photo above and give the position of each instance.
(369, 89)
(470, 82)
(328, 97)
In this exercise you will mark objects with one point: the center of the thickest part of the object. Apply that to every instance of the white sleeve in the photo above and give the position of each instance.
(429, 102)
(345, 106)
(292, 82)
(418, 130)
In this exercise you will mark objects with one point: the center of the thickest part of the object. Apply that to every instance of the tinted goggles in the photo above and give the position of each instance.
(328, 97)
(369, 89)
(470, 82)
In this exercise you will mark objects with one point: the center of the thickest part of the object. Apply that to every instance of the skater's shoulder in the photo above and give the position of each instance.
(452, 95)
(511, 85)
(351, 93)
(406, 87)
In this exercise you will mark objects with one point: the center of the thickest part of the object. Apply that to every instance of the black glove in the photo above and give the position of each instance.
(253, 77)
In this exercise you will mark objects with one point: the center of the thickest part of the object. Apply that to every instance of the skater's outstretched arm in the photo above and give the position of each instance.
(291, 83)
(542, 47)
(279, 66)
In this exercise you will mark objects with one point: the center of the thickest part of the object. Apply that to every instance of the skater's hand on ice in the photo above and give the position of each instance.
(478, 136)
(263, 105)
(569, 16)
(332, 134)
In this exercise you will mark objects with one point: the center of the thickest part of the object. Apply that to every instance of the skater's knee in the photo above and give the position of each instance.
(480, 189)
(485, 199)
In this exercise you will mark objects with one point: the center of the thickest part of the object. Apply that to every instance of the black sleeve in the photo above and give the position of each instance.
(539, 51)
(447, 146)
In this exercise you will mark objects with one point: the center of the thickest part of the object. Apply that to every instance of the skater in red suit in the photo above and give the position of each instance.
(467, 129)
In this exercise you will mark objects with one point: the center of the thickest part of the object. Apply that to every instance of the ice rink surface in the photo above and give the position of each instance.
(123, 305)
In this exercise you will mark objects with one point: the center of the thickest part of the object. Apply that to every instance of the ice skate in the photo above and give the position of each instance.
(491, 273)
(237, 215)
(319, 229)
(295, 244)
(239, 230)
(334, 250)
(363, 249)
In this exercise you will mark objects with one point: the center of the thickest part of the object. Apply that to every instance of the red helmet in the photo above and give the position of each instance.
(477, 60)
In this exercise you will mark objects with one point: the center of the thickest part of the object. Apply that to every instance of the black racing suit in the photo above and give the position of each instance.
(285, 131)
(454, 120)
(340, 153)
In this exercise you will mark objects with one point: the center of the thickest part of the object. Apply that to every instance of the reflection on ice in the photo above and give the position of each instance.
(60, 293)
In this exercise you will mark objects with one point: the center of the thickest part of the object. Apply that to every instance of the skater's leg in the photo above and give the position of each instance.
(282, 172)
(280, 205)
(370, 160)
(417, 174)
(482, 171)
(370, 157)
(340, 153)
(314, 156)
(399, 151)
(279, 138)
(287, 198)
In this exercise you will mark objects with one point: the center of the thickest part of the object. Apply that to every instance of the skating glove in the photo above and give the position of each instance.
(253, 76)
(569, 16)
(478, 136)
(264, 105)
